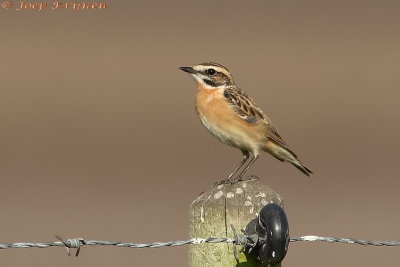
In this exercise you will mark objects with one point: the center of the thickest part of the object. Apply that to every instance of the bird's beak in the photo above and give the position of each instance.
(188, 70)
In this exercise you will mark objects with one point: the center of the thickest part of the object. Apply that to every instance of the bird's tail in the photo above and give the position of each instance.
(284, 153)
(304, 169)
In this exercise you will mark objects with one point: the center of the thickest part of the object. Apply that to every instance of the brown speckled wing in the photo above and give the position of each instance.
(248, 111)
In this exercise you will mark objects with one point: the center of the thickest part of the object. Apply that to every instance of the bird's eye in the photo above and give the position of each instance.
(210, 71)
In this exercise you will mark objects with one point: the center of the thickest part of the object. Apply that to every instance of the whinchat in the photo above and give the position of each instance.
(233, 118)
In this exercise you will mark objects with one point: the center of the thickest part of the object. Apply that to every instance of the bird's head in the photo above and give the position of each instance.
(210, 75)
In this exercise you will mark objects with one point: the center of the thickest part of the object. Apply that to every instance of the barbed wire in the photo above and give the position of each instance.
(312, 238)
(238, 240)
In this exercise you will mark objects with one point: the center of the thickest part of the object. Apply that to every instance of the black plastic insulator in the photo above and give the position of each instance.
(271, 231)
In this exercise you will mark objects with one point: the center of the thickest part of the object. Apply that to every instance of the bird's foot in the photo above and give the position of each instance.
(223, 182)
(232, 181)
(245, 179)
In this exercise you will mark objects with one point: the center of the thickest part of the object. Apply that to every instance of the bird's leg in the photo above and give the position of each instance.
(246, 156)
(251, 162)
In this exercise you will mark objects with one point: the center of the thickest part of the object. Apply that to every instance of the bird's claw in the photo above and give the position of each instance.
(244, 179)
(232, 181)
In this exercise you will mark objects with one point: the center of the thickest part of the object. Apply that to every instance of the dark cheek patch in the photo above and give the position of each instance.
(210, 83)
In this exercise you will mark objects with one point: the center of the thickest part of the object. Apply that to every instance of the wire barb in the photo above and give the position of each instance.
(236, 238)
(72, 243)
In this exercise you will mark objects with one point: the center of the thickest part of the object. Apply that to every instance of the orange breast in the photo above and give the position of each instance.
(212, 104)
(224, 123)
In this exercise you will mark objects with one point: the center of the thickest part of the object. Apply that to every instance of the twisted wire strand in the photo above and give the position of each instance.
(312, 238)
(79, 242)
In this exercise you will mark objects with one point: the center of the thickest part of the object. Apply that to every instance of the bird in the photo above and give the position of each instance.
(231, 116)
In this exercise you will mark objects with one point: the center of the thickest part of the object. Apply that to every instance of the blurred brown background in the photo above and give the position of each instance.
(99, 137)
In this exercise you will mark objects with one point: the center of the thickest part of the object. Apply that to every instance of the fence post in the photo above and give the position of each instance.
(213, 213)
